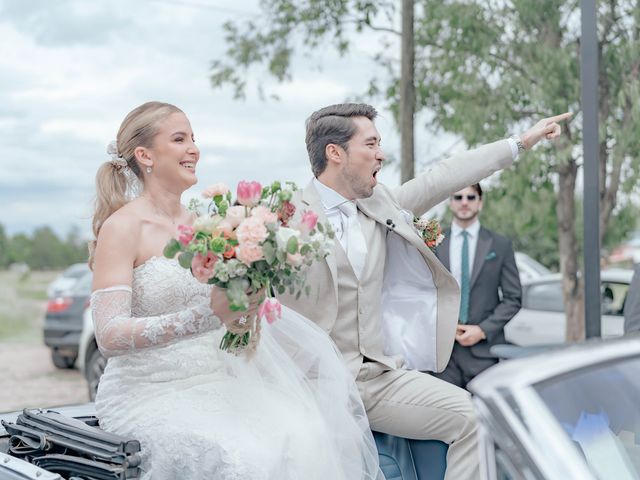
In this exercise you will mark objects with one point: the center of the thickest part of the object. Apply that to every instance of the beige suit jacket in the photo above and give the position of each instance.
(417, 196)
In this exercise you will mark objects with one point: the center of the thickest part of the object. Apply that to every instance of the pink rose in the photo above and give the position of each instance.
(264, 214)
(249, 193)
(249, 253)
(185, 234)
(235, 215)
(202, 266)
(251, 230)
(309, 220)
(216, 189)
(270, 310)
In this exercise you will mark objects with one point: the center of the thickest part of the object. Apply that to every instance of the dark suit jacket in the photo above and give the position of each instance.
(494, 268)
(632, 304)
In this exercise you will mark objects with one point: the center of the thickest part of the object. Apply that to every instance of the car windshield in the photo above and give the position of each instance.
(76, 271)
(598, 409)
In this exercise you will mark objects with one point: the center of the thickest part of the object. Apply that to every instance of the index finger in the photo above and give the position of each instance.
(558, 118)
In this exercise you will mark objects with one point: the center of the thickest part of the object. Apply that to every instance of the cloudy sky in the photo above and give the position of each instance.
(72, 69)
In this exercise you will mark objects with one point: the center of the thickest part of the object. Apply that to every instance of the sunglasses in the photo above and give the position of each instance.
(470, 198)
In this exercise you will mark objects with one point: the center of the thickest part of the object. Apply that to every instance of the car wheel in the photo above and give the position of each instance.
(93, 372)
(61, 361)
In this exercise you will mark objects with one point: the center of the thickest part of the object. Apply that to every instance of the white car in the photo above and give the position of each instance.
(529, 268)
(541, 321)
(61, 286)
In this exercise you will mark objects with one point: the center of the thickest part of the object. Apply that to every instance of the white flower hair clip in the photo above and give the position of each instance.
(116, 159)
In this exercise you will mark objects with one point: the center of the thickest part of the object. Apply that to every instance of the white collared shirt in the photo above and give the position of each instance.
(331, 200)
(455, 248)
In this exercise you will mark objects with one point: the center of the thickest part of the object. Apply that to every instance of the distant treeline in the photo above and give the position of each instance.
(43, 249)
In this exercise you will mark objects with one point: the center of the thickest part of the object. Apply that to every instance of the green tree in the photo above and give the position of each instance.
(486, 68)
(4, 248)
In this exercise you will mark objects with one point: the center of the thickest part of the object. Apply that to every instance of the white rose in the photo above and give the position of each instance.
(284, 234)
(206, 223)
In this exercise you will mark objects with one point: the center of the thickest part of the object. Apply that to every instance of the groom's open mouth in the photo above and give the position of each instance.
(375, 176)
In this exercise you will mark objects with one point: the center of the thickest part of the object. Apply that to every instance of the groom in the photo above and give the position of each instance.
(376, 244)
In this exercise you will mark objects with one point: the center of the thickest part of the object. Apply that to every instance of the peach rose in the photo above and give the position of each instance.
(264, 214)
(251, 230)
(216, 189)
(235, 215)
(248, 253)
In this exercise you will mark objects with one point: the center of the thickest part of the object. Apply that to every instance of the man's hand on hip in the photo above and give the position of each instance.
(469, 335)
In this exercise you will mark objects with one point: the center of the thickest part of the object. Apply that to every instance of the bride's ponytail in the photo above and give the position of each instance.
(119, 180)
(111, 194)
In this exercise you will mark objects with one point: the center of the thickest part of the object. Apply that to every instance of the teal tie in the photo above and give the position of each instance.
(464, 279)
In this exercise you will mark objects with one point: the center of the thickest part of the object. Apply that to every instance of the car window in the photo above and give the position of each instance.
(83, 285)
(613, 297)
(544, 296)
(598, 409)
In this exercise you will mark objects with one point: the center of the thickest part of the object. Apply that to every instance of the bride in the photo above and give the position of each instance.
(290, 412)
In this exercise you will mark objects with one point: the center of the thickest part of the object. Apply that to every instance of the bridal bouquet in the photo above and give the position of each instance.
(254, 244)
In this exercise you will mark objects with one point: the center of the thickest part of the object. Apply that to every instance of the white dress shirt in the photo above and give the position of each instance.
(331, 200)
(455, 247)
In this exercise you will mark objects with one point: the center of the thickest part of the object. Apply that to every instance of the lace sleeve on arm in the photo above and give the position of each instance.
(117, 332)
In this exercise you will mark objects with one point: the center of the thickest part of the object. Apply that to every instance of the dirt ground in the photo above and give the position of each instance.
(28, 378)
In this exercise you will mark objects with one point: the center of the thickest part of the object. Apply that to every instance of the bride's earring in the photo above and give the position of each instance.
(148, 169)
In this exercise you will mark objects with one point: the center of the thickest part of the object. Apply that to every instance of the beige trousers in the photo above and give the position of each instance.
(412, 404)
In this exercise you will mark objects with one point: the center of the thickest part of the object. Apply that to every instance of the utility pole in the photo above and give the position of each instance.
(591, 195)
(407, 93)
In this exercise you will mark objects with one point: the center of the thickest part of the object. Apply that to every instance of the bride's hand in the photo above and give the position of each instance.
(220, 306)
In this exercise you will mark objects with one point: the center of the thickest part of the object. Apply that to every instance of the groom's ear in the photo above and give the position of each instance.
(333, 153)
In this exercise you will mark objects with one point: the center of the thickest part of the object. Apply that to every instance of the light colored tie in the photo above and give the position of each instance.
(356, 243)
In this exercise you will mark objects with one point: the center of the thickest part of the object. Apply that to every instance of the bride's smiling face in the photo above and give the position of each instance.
(174, 152)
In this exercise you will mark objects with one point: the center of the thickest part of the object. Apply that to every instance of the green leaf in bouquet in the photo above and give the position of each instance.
(269, 252)
(184, 259)
(320, 227)
(292, 245)
(281, 289)
(298, 294)
(305, 249)
(237, 295)
(172, 247)
(285, 195)
(218, 244)
(223, 206)
(275, 186)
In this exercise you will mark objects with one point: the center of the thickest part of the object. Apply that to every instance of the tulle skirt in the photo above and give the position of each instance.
(292, 411)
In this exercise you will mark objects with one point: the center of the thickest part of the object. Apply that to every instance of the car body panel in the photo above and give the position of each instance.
(517, 417)
(542, 321)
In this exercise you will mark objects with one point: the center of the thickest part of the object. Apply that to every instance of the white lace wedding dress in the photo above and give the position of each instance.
(291, 412)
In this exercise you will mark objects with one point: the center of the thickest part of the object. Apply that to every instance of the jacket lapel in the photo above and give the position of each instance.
(311, 200)
(485, 240)
(444, 250)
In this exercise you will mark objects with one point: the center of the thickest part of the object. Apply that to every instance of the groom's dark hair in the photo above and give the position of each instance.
(333, 124)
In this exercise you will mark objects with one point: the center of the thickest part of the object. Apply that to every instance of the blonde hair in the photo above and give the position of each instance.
(113, 189)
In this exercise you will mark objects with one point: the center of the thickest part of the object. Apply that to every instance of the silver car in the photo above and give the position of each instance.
(542, 321)
(569, 413)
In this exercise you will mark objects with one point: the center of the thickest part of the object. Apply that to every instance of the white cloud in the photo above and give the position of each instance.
(73, 69)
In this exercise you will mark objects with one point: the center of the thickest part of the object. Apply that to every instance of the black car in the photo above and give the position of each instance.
(63, 322)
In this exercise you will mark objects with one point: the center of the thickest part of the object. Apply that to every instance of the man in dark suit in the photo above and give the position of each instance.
(484, 265)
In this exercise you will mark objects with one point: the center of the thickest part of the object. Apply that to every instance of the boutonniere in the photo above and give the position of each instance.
(430, 231)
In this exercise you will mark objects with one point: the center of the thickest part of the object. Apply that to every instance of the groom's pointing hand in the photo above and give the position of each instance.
(548, 128)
